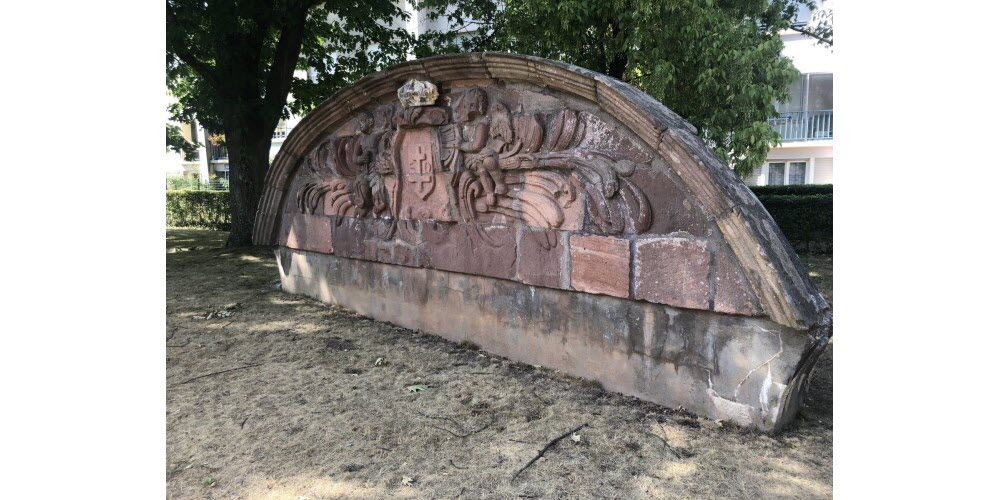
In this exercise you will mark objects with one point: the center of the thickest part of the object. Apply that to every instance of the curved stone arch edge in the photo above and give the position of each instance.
(770, 264)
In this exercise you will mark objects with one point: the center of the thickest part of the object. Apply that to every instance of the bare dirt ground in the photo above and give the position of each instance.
(271, 395)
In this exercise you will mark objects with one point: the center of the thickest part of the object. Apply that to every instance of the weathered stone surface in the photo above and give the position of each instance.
(417, 93)
(310, 232)
(471, 249)
(733, 294)
(746, 370)
(674, 210)
(600, 264)
(423, 190)
(673, 271)
(541, 258)
(551, 178)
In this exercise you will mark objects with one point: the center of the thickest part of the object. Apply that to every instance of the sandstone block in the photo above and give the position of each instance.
(471, 249)
(600, 264)
(540, 258)
(673, 271)
(733, 294)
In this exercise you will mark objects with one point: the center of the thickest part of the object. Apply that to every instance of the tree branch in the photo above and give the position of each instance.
(203, 69)
(812, 34)
(286, 57)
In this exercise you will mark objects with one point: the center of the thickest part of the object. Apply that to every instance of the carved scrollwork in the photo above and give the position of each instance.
(530, 167)
(545, 158)
(348, 171)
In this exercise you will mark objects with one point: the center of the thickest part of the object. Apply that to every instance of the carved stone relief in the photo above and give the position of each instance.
(556, 216)
(475, 160)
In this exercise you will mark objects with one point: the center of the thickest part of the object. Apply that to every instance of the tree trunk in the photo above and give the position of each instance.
(618, 66)
(249, 158)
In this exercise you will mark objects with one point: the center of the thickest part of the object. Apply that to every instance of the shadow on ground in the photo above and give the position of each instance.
(271, 395)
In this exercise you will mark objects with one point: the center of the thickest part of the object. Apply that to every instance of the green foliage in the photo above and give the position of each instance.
(806, 220)
(198, 209)
(820, 26)
(233, 59)
(232, 64)
(175, 183)
(716, 63)
(196, 184)
(177, 143)
(799, 189)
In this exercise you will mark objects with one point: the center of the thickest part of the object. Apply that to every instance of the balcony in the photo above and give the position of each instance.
(804, 125)
(217, 152)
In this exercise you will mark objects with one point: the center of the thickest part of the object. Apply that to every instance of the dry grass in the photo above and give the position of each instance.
(328, 414)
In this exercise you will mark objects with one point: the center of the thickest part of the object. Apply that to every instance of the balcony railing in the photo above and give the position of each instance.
(217, 152)
(804, 125)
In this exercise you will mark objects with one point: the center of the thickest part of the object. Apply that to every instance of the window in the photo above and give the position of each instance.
(797, 172)
(775, 174)
(786, 173)
(819, 95)
(811, 92)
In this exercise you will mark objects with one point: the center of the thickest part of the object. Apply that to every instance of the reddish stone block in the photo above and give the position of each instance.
(471, 249)
(600, 264)
(733, 294)
(310, 232)
(318, 235)
(349, 234)
(296, 234)
(672, 209)
(540, 258)
(406, 255)
(287, 219)
(672, 271)
(408, 231)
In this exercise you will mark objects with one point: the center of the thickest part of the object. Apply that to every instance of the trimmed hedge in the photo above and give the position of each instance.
(801, 189)
(806, 220)
(199, 209)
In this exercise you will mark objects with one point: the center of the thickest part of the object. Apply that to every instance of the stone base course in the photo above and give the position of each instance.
(749, 371)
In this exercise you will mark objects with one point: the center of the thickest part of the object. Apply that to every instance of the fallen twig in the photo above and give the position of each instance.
(447, 419)
(180, 345)
(199, 377)
(452, 462)
(543, 400)
(244, 422)
(665, 443)
(543, 450)
(493, 419)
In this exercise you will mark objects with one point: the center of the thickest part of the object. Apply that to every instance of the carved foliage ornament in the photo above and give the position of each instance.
(471, 160)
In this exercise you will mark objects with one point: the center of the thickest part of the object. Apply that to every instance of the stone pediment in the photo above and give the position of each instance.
(541, 175)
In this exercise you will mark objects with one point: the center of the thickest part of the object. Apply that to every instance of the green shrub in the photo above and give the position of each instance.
(801, 189)
(806, 220)
(199, 209)
(176, 182)
(179, 182)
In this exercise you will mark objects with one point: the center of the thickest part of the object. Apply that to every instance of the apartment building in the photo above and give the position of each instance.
(805, 122)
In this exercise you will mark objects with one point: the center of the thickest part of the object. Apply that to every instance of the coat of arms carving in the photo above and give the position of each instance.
(475, 160)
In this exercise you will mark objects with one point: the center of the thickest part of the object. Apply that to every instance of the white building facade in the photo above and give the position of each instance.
(805, 123)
